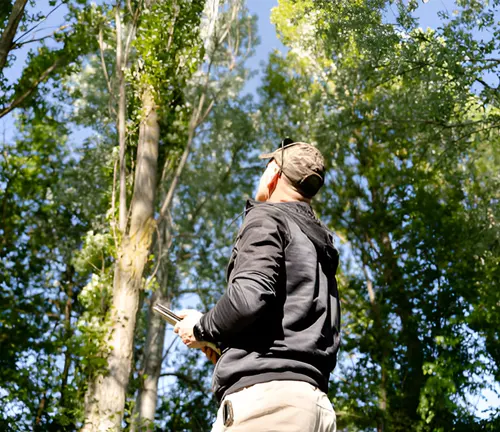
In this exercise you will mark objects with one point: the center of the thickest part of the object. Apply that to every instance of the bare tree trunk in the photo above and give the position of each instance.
(153, 355)
(120, 121)
(379, 329)
(10, 31)
(106, 397)
(67, 333)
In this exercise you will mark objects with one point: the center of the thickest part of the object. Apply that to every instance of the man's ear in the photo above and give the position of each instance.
(271, 186)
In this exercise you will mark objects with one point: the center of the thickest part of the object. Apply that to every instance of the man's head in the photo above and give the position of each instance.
(295, 172)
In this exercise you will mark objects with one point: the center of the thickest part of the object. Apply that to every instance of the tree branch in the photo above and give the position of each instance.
(10, 31)
(41, 408)
(16, 45)
(103, 63)
(28, 92)
(38, 23)
(131, 33)
(484, 83)
(120, 122)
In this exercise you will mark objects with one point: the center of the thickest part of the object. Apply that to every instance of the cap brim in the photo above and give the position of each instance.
(266, 155)
(273, 154)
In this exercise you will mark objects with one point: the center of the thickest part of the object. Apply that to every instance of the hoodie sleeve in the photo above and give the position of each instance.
(253, 280)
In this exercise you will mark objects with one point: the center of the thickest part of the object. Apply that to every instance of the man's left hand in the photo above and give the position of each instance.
(184, 328)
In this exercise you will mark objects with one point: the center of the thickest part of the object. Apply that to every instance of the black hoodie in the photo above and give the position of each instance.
(280, 316)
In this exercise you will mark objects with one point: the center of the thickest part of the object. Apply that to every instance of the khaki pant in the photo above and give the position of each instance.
(276, 406)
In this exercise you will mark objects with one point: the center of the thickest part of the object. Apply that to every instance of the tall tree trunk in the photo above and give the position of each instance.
(381, 335)
(120, 121)
(413, 376)
(67, 333)
(153, 352)
(153, 355)
(106, 401)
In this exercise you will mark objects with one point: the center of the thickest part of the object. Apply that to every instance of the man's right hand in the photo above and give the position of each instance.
(211, 354)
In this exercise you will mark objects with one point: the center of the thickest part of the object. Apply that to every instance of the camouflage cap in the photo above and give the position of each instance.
(302, 164)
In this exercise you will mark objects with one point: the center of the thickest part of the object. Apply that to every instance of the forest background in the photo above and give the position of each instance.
(130, 131)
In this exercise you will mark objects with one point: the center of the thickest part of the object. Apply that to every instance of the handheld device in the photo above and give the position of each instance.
(173, 319)
(167, 314)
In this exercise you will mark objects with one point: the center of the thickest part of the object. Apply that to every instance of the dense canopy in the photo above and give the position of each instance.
(128, 150)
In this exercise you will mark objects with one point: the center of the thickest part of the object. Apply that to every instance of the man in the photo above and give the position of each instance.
(278, 322)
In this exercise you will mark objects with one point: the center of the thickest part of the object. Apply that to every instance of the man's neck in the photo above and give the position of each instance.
(287, 196)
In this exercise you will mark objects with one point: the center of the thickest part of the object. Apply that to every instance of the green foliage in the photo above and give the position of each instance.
(167, 43)
(408, 121)
(47, 206)
(56, 54)
(396, 111)
(48, 202)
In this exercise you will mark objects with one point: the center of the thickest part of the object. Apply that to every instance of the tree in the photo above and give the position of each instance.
(227, 36)
(163, 97)
(45, 212)
(48, 203)
(396, 112)
(105, 400)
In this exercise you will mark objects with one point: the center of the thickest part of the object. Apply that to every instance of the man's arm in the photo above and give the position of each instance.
(253, 279)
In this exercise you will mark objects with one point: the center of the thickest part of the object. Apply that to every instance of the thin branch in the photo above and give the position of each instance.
(38, 23)
(170, 194)
(369, 286)
(131, 33)
(41, 408)
(17, 45)
(28, 92)
(478, 60)
(174, 342)
(228, 28)
(122, 107)
(204, 116)
(172, 27)
(484, 83)
(160, 252)
(103, 63)
(113, 203)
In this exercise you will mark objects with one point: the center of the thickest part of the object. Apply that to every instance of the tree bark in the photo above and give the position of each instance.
(413, 379)
(41, 408)
(106, 396)
(10, 31)
(153, 355)
(120, 122)
(381, 334)
(68, 331)
(153, 352)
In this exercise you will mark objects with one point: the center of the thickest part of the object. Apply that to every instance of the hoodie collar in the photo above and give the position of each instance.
(296, 206)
